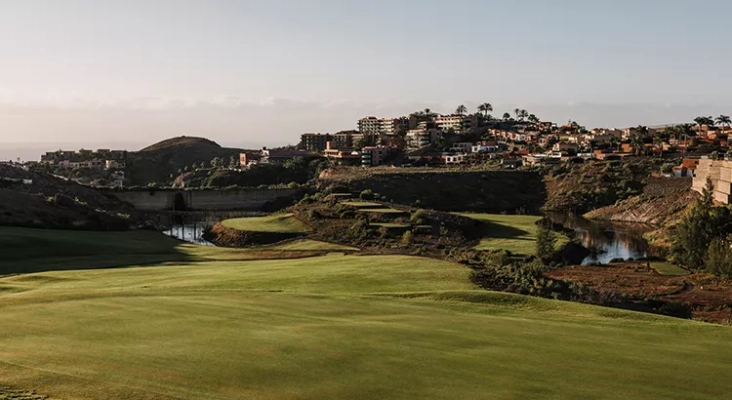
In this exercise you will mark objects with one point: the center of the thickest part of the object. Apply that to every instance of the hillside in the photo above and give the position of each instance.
(479, 190)
(595, 184)
(156, 163)
(41, 200)
(336, 327)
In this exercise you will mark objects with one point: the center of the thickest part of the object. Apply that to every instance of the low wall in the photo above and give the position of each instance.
(235, 199)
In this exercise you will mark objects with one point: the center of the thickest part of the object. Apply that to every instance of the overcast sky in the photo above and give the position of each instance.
(252, 73)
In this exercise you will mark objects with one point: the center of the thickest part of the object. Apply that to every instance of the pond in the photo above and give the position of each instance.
(190, 226)
(607, 240)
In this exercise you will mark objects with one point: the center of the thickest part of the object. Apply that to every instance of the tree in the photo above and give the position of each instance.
(724, 120)
(485, 108)
(521, 114)
(637, 144)
(698, 229)
(232, 162)
(546, 241)
(461, 110)
(708, 121)
(533, 119)
(217, 162)
(506, 116)
(718, 259)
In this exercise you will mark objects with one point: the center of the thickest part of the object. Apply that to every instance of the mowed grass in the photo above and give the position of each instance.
(280, 223)
(667, 268)
(311, 245)
(336, 327)
(361, 204)
(382, 211)
(514, 233)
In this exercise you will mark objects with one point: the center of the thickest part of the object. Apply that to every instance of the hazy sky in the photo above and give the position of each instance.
(251, 73)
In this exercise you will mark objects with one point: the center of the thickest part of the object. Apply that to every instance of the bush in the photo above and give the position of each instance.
(407, 238)
(546, 241)
(367, 194)
(719, 258)
(418, 218)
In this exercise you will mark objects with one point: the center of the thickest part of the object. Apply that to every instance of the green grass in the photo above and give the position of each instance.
(382, 211)
(312, 245)
(514, 233)
(280, 223)
(667, 268)
(361, 204)
(388, 225)
(334, 327)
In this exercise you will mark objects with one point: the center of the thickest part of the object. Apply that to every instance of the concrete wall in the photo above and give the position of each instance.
(720, 172)
(236, 199)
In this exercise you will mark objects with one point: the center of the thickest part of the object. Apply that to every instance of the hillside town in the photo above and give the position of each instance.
(517, 140)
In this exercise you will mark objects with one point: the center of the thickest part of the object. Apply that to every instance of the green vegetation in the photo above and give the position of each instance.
(700, 240)
(311, 245)
(361, 204)
(667, 268)
(388, 225)
(546, 242)
(278, 223)
(334, 326)
(382, 211)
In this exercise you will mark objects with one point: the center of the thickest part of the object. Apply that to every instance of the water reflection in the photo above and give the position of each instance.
(606, 240)
(192, 233)
(190, 226)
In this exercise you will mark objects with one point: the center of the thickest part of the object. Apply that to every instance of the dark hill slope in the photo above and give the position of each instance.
(157, 162)
(447, 189)
(41, 200)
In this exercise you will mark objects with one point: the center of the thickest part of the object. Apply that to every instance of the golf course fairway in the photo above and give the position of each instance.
(334, 327)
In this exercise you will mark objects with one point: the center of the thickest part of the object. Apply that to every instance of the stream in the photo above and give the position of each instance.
(607, 240)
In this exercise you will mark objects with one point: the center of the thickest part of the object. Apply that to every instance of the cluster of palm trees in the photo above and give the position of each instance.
(484, 110)
(723, 121)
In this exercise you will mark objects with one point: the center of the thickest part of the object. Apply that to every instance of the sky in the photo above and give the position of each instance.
(251, 73)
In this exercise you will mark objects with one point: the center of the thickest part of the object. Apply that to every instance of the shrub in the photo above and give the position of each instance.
(418, 218)
(367, 194)
(719, 258)
(407, 238)
(546, 241)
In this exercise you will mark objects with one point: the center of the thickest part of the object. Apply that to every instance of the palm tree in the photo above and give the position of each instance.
(724, 120)
(533, 119)
(485, 108)
(521, 114)
(506, 116)
(636, 142)
(461, 110)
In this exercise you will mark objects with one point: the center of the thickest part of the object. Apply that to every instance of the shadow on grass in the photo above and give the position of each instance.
(27, 250)
(492, 230)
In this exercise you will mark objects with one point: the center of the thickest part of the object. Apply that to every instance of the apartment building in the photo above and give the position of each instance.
(454, 122)
(318, 142)
(373, 156)
(383, 126)
(418, 138)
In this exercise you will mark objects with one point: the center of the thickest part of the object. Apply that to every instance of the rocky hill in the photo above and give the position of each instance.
(40, 200)
(156, 163)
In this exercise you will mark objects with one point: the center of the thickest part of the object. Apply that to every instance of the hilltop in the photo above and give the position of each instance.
(156, 163)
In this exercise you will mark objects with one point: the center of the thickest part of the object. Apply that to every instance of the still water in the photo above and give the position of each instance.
(190, 226)
(606, 240)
